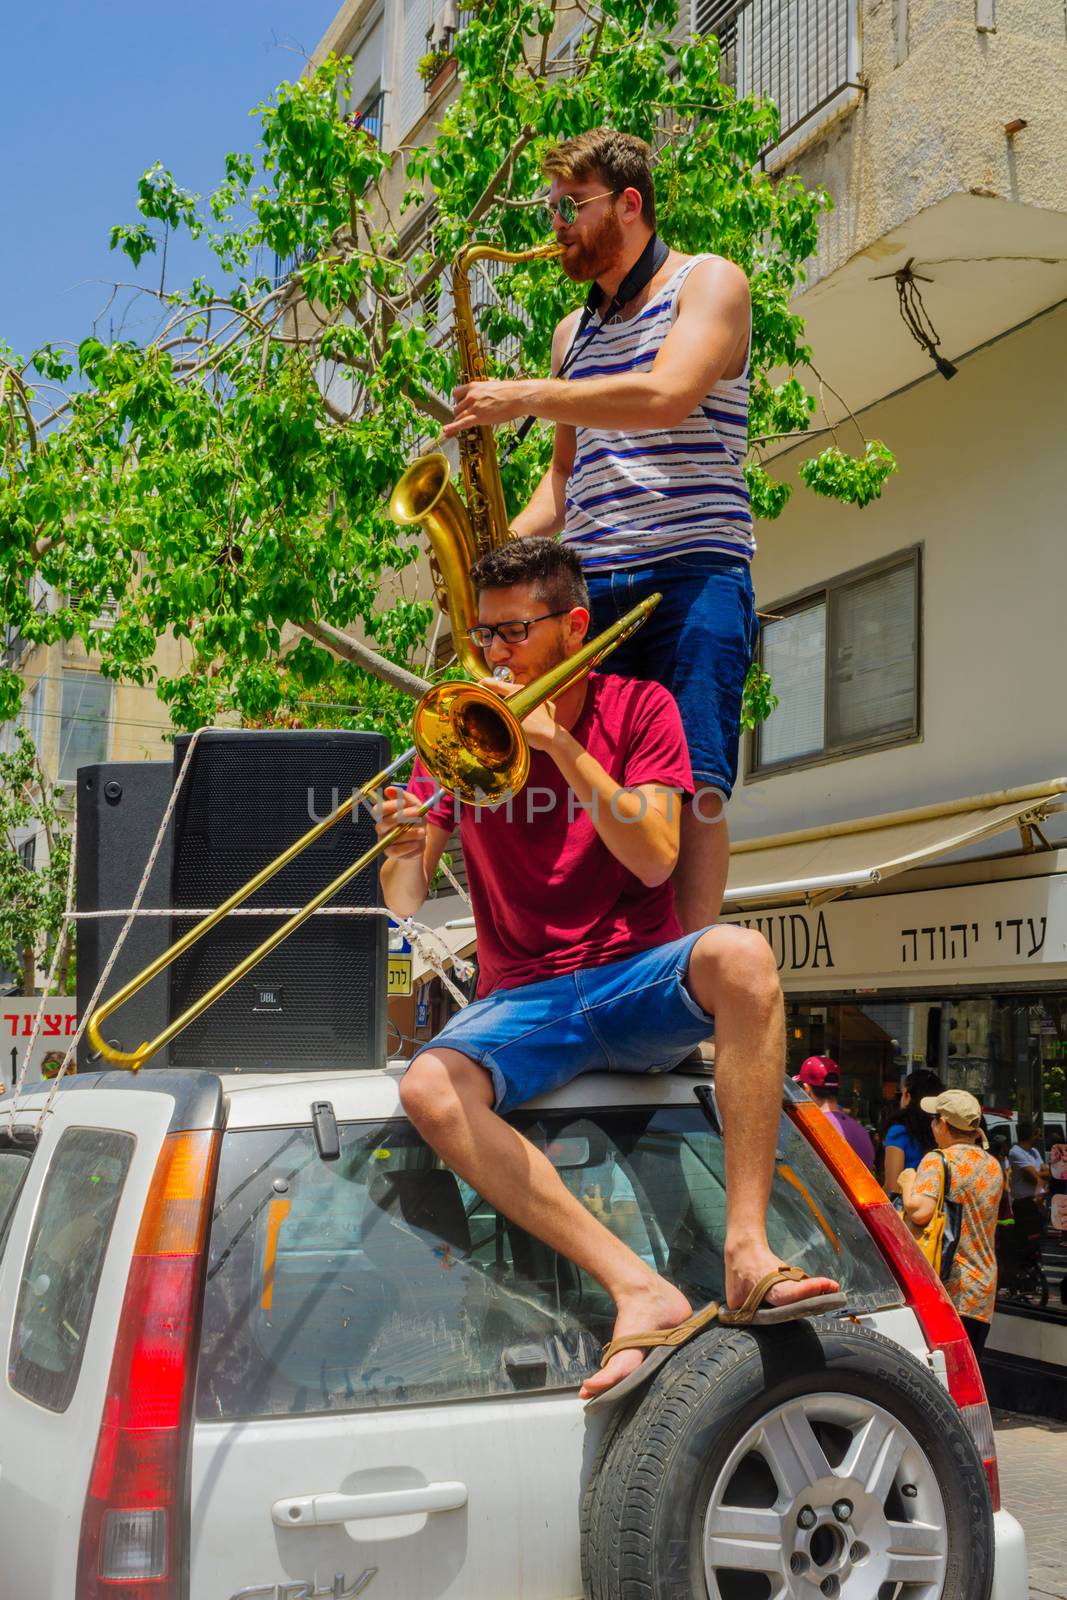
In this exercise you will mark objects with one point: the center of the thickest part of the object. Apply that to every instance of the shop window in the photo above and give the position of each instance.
(844, 663)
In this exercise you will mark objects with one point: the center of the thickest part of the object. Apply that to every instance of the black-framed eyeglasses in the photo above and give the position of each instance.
(516, 632)
(568, 207)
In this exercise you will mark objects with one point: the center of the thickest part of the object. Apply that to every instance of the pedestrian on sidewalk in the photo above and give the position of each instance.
(820, 1076)
(909, 1136)
(1027, 1164)
(972, 1176)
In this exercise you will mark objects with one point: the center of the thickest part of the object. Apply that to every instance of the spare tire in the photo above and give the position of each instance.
(789, 1463)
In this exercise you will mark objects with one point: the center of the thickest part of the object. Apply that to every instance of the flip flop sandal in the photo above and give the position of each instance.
(660, 1344)
(752, 1314)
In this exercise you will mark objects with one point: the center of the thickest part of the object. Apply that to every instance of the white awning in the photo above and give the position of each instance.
(818, 864)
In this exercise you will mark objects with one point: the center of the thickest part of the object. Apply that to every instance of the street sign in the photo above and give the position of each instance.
(399, 975)
(16, 1022)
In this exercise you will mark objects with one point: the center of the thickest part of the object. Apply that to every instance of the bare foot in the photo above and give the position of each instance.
(746, 1266)
(661, 1305)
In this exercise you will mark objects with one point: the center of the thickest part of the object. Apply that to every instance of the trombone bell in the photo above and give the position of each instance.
(471, 742)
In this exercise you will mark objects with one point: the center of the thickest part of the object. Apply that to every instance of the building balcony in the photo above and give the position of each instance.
(802, 54)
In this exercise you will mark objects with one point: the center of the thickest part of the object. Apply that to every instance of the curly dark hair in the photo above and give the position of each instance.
(554, 571)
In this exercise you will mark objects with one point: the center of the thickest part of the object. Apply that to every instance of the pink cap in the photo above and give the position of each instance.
(819, 1072)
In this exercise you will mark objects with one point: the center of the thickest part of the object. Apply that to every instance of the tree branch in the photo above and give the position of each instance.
(361, 655)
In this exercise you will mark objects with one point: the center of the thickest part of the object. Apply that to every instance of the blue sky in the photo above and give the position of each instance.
(92, 94)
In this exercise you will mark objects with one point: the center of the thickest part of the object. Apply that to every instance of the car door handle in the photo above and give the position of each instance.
(320, 1510)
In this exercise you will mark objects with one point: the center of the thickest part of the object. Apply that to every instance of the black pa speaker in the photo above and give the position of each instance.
(319, 1000)
(120, 806)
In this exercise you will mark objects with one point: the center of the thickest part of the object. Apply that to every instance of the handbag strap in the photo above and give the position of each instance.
(946, 1177)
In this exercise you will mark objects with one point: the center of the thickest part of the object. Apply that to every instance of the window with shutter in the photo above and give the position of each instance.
(844, 663)
(872, 665)
(794, 653)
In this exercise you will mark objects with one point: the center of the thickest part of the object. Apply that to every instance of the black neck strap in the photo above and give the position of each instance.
(640, 274)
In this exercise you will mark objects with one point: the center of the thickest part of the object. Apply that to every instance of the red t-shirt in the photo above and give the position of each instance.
(548, 895)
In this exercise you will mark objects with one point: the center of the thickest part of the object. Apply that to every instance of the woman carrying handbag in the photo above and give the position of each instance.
(954, 1197)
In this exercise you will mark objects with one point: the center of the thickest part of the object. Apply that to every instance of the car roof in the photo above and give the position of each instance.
(259, 1099)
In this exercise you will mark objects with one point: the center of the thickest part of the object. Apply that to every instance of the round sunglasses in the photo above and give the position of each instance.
(568, 207)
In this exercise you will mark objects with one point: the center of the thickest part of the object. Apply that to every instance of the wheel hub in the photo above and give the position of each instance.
(825, 1547)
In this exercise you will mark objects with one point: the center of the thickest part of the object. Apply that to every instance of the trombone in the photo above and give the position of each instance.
(470, 741)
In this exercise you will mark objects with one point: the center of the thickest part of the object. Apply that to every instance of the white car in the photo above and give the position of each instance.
(259, 1343)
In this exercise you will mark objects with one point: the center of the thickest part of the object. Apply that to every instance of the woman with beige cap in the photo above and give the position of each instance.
(975, 1178)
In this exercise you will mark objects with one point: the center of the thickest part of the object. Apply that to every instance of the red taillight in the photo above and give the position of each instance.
(925, 1293)
(132, 1524)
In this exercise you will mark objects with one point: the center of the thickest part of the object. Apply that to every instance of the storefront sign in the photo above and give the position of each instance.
(1013, 931)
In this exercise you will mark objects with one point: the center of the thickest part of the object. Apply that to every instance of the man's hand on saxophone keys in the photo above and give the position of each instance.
(487, 403)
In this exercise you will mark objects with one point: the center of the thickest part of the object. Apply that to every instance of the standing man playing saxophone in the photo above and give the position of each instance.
(584, 966)
(646, 482)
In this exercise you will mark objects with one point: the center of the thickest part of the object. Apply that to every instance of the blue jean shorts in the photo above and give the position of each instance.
(699, 643)
(634, 1015)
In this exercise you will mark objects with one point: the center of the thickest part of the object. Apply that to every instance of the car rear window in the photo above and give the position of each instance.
(75, 1213)
(14, 1165)
(381, 1279)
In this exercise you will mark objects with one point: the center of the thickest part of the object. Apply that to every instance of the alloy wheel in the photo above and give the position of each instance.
(826, 1495)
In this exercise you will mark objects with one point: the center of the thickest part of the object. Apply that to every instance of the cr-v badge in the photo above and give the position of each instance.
(308, 1591)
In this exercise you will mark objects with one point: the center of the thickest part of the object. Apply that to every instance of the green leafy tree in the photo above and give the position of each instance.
(32, 896)
(226, 479)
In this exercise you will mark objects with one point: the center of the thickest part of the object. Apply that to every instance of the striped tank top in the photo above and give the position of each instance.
(636, 497)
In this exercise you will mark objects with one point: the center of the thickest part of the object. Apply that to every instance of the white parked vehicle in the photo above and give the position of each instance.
(259, 1343)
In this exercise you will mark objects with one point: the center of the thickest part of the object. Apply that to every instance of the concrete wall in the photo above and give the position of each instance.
(982, 485)
(932, 124)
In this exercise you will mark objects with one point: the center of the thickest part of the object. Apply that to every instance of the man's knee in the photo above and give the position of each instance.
(728, 962)
(437, 1085)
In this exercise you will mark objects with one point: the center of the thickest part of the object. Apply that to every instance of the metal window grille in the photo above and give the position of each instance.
(798, 53)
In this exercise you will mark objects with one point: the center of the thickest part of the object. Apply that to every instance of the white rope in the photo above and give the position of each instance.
(454, 881)
(432, 957)
(414, 931)
(240, 911)
(417, 933)
(124, 930)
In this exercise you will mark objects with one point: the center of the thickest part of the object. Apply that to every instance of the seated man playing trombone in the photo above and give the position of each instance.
(583, 966)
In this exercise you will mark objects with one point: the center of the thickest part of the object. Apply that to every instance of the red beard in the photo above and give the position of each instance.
(587, 259)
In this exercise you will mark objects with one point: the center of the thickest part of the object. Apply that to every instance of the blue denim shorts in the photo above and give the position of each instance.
(634, 1015)
(699, 643)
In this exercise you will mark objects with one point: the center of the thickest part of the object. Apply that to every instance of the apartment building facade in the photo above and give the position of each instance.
(75, 716)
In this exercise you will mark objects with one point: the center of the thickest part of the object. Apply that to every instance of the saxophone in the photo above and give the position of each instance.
(460, 531)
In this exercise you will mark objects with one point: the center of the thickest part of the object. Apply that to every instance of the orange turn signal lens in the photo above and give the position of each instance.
(859, 1183)
(176, 1210)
